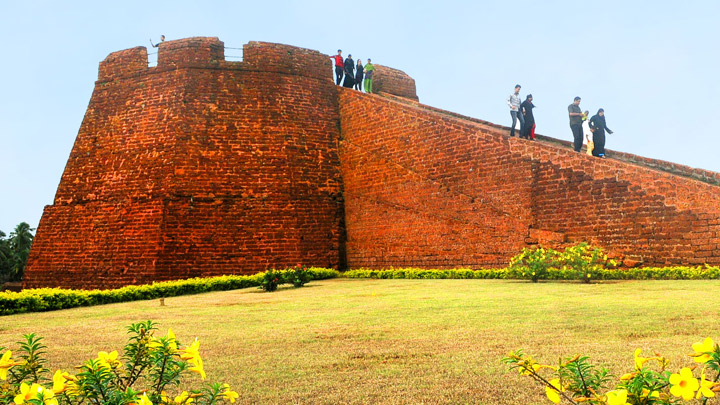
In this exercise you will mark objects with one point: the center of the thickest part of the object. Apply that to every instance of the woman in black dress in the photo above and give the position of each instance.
(359, 75)
(526, 109)
(598, 127)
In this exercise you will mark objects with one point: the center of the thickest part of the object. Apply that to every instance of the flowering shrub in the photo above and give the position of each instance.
(298, 276)
(585, 260)
(575, 381)
(48, 299)
(270, 280)
(533, 264)
(582, 262)
(149, 371)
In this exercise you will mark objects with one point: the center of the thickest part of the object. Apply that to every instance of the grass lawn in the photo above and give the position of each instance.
(397, 341)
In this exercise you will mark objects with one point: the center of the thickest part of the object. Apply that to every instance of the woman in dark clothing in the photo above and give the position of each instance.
(526, 109)
(349, 72)
(359, 75)
(598, 127)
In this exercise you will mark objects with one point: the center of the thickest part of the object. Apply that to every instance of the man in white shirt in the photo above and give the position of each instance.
(514, 103)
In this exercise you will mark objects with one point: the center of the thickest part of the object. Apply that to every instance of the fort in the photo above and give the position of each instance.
(201, 166)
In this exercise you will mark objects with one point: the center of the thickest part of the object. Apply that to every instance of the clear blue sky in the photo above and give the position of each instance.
(653, 66)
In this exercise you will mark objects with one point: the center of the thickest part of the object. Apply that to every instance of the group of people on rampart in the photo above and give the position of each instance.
(584, 130)
(356, 75)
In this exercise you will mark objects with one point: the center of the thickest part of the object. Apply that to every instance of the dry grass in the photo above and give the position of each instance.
(397, 341)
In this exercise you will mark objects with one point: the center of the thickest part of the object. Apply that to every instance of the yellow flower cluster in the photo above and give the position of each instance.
(67, 388)
(682, 384)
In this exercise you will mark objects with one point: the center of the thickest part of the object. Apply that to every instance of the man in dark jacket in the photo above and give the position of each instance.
(598, 128)
(575, 114)
(349, 72)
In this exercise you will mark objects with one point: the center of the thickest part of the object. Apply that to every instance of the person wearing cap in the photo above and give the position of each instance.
(339, 67)
(576, 124)
(349, 72)
(598, 128)
(514, 103)
(369, 70)
(528, 131)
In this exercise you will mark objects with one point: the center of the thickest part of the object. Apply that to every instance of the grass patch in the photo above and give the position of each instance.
(397, 341)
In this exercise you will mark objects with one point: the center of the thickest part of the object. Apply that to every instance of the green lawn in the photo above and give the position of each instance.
(397, 341)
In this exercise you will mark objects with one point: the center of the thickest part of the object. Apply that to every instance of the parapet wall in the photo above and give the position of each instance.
(426, 188)
(199, 166)
(393, 81)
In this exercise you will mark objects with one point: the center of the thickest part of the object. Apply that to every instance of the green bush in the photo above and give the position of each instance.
(271, 279)
(49, 299)
(645, 273)
(533, 263)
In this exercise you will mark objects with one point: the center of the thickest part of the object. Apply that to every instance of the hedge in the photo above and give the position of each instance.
(49, 299)
(643, 273)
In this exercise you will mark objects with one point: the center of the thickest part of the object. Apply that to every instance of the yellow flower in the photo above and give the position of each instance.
(230, 395)
(197, 367)
(701, 348)
(59, 381)
(144, 400)
(48, 397)
(553, 393)
(684, 384)
(647, 394)
(183, 398)
(6, 364)
(27, 392)
(173, 341)
(639, 361)
(192, 355)
(705, 387)
(108, 360)
(628, 376)
(617, 397)
(191, 352)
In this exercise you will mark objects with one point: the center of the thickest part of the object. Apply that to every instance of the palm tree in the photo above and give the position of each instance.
(6, 258)
(20, 241)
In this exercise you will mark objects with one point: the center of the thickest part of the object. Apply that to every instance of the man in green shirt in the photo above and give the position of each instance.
(369, 69)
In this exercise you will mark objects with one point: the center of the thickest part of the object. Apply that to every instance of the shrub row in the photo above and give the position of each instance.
(644, 273)
(49, 299)
(412, 273)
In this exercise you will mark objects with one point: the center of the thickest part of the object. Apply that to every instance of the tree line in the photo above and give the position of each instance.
(14, 252)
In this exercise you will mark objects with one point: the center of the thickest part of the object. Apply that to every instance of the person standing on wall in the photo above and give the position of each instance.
(358, 75)
(526, 110)
(338, 66)
(587, 133)
(514, 104)
(598, 128)
(162, 41)
(576, 123)
(369, 69)
(349, 72)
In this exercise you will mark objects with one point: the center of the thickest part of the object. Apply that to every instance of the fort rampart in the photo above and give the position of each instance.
(200, 166)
